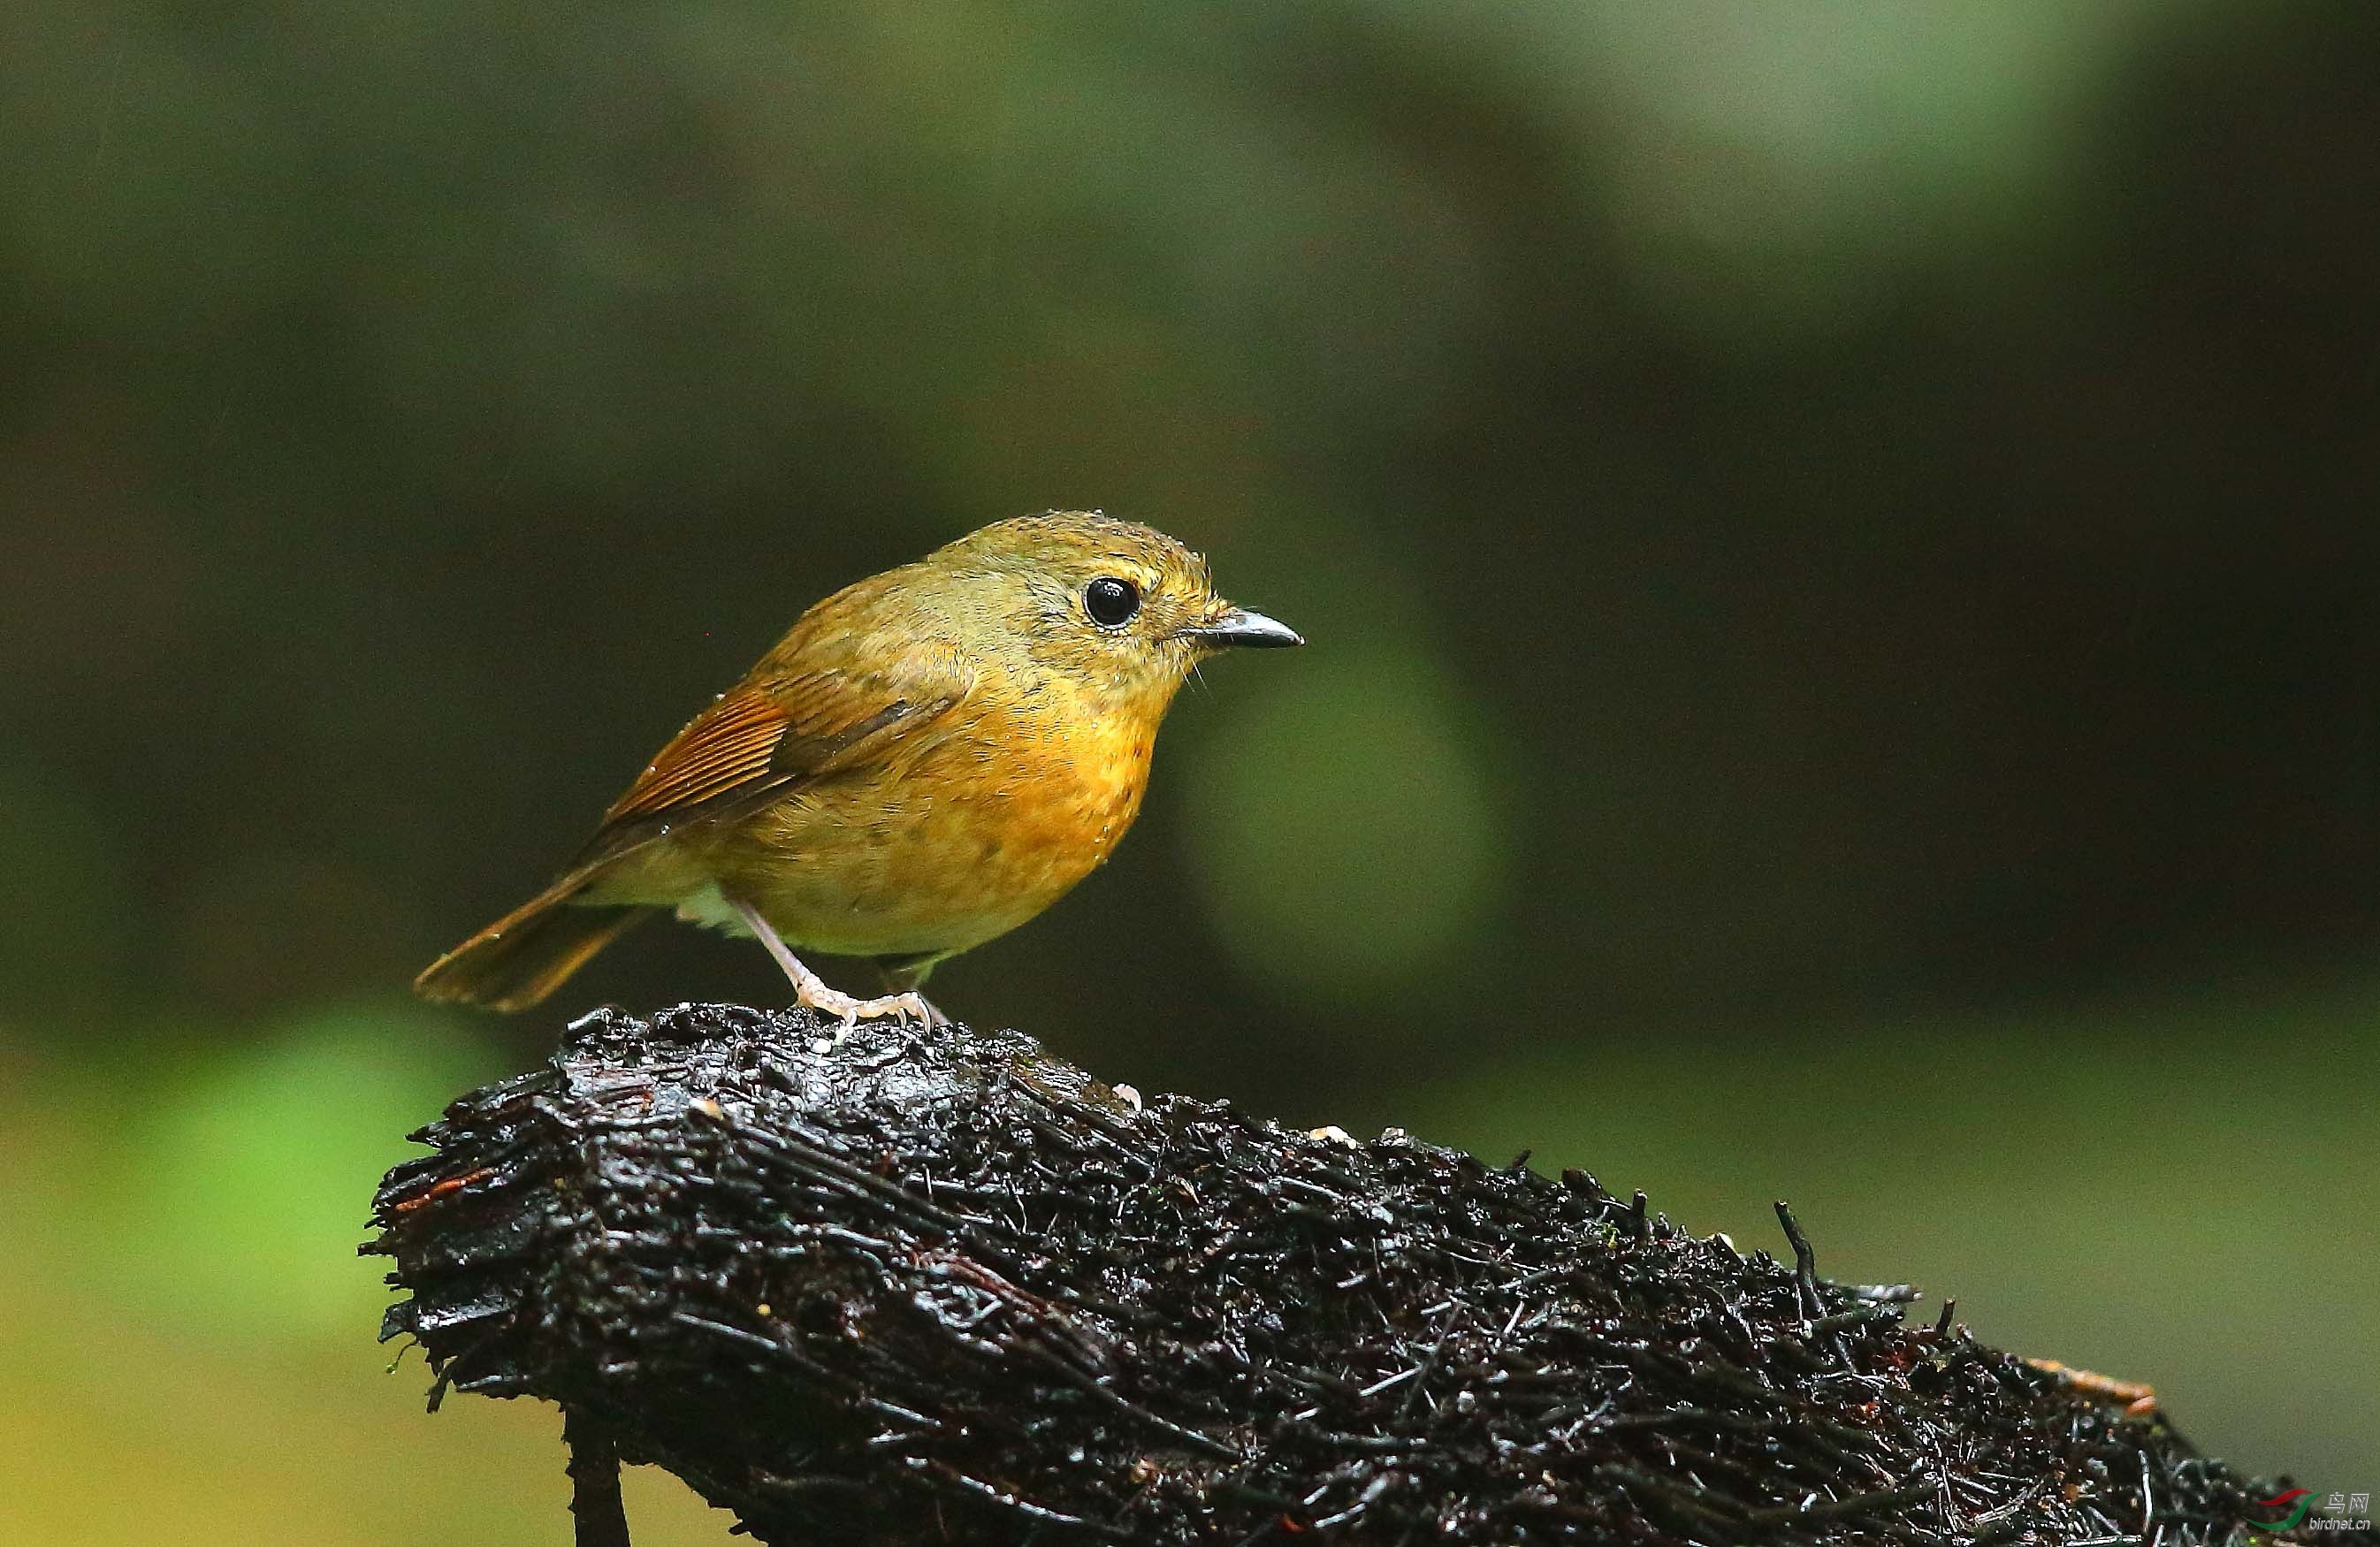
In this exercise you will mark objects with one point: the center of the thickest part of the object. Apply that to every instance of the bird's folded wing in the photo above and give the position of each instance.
(773, 735)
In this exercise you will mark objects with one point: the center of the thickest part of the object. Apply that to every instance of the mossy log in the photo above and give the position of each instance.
(934, 1287)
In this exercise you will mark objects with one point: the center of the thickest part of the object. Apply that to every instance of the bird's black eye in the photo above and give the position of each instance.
(1110, 601)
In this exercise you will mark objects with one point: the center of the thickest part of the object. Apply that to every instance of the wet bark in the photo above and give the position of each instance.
(930, 1289)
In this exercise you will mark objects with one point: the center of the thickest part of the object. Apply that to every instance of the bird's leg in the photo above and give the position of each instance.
(813, 990)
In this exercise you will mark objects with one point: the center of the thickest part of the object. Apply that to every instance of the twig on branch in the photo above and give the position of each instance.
(930, 1289)
(594, 1467)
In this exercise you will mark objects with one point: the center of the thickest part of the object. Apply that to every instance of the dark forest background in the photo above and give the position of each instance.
(1838, 541)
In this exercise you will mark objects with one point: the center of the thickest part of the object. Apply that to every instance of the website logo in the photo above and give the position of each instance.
(2296, 1502)
(2299, 1510)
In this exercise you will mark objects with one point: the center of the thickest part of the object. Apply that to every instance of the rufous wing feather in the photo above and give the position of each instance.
(728, 746)
(773, 735)
(767, 737)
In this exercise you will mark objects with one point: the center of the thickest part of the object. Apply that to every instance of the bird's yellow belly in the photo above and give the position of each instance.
(949, 862)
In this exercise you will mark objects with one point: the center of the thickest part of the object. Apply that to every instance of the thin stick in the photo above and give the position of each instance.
(594, 1482)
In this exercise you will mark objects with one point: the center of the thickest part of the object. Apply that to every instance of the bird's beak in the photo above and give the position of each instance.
(1242, 627)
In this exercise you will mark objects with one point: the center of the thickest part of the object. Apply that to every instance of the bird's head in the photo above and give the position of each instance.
(1120, 611)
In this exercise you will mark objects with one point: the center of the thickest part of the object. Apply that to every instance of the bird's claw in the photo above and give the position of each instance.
(900, 1008)
(816, 993)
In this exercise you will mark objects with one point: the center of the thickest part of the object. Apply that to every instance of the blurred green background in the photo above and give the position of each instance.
(1839, 542)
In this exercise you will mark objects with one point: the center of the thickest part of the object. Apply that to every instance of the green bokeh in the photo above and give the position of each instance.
(1352, 833)
(68, 900)
(245, 1172)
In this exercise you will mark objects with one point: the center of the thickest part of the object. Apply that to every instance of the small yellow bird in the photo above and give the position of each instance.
(926, 759)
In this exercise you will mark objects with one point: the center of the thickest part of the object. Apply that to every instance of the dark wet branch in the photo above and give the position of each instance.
(951, 1290)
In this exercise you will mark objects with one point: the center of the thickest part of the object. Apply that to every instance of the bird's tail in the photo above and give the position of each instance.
(524, 956)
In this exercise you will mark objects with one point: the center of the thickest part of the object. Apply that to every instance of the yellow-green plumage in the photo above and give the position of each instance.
(928, 759)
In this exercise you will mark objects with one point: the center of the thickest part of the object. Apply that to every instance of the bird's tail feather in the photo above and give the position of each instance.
(526, 955)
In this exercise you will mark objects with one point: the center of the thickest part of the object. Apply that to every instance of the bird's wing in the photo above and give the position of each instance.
(773, 735)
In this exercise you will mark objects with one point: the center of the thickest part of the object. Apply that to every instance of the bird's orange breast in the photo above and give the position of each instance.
(956, 839)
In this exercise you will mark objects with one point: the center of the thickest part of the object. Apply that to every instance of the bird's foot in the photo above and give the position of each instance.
(810, 989)
(815, 992)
